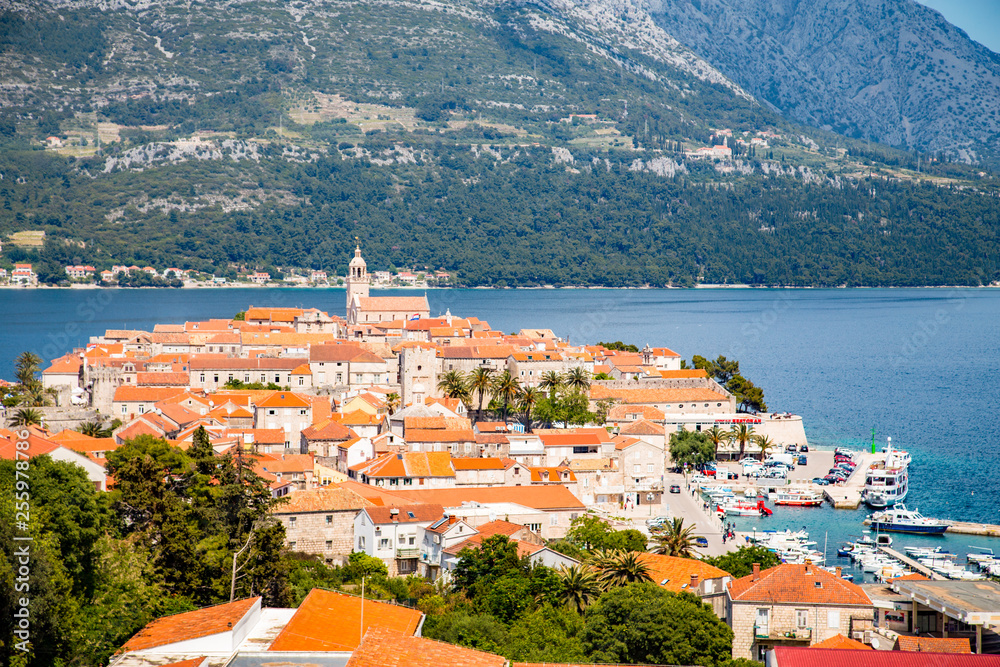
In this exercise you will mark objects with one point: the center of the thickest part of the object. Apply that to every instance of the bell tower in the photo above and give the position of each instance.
(357, 278)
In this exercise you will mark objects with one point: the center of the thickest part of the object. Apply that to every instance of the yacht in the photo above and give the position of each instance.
(888, 481)
(798, 498)
(901, 520)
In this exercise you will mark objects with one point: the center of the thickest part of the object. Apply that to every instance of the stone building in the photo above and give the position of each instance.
(321, 521)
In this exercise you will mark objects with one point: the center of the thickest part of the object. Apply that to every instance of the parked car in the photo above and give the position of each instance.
(822, 481)
(700, 542)
(802, 461)
(657, 522)
(791, 449)
(804, 448)
(674, 488)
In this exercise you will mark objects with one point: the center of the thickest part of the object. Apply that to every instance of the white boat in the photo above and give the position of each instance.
(901, 520)
(744, 508)
(888, 481)
(798, 498)
(931, 552)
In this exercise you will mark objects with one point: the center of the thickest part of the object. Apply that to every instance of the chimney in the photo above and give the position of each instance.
(838, 572)
(808, 567)
(756, 572)
(694, 582)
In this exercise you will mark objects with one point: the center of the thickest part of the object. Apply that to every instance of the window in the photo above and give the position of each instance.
(270, 412)
(302, 412)
(649, 467)
(201, 377)
(833, 618)
(329, 544)
(291, 545)
(216, 377)
(534, 527)
(361, 543)
(291, 521)
(124, 409)
(302, 381)
(636, 468)
(801, 618)
(142, 409)
(329, 518)
(385, 543)
(553, 520)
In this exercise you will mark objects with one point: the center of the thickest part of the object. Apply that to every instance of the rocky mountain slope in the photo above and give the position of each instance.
(892, 71)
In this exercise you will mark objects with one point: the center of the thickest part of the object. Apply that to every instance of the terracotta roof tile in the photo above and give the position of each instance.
(674, 574)
(842, 642)
(284, 399)
(544, 497)
(383, 647)
(660, 395)
(794, 656)
(162, 379)
(423, 512)
(476, 542)
(330, 621)
(190, 625)
(934, 644)
(467, 463)
(325, 499)
(439, 435)
(642, 427)
(329, 429)
(126, 394)
(789, 583)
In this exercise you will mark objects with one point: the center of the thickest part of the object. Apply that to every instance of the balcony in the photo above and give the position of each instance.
(412, 552)
(763, 632)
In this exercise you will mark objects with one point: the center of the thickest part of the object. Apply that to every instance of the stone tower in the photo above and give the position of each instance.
(357, 278)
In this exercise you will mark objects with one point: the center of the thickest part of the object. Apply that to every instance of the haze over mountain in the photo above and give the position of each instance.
(892, 71)
(508, 142)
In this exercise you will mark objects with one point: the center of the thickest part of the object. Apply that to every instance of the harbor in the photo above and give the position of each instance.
(965, 528)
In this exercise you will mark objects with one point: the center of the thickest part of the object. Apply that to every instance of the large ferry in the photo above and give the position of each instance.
(888, 481)
(901, 520)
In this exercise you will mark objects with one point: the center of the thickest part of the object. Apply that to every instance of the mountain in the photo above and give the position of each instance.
(507, 142)
(892, 71)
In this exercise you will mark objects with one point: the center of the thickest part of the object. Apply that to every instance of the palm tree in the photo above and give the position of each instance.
(765, 443)
(676, 540)
(579, 586)
(392, 402)
(453, 385)
(35, 396)
(527, 401)
(717, 436)
(578, 379)
(27, 364)
(624, 567)
(480, 382)
(505, 388)
(95, 428)
(26, 417)
(551, 382)
(742, 434)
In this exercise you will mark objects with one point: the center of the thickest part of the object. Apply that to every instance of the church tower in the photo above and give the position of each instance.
(357, 278)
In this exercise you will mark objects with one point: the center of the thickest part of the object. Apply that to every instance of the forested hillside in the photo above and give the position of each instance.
(508, 143)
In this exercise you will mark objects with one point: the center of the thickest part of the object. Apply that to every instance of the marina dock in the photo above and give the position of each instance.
(966, 528)
(848, 496)
(910, 563)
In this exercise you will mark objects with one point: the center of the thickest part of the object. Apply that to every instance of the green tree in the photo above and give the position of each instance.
(546, 635)
(240, 316)
(505, 389)
(481, 382)
(577, 379)
(741, 434)
(619, 346)
(202, 452)
(675, 539)
(392, 401)
(26, 417)
(478, 569)
(579, 586)
(526, 402)
(739, 563)
(766, 443)
(716, 436)
(641, 623)
(691, 448)
(749, 397)
(551, 382)
(453, 385)
(621, 568)
(26, 368)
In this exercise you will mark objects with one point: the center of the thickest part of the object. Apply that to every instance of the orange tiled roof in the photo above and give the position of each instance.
(469, 463)
(284, 399)
(544, 497)
(162, 379)
(643, 411)
(289, 463)
(660, 395)
(499, 527)
(476, 542)
(642, 427)
(381, 515)
(674, 574)
(68, 363)
(797, 584)
(331, 621)
(842, 642)
(684, 374)
(329, 429)
(555, 474)
(190, 625)
(436, 422)
(384, 647)
(325, 499)
(934, 644)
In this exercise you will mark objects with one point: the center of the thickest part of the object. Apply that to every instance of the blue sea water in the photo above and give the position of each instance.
(920, 365)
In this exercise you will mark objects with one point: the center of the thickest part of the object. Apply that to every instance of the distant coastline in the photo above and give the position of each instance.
(491, 287)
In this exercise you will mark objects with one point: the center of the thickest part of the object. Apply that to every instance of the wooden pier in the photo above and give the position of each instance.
(910, 563)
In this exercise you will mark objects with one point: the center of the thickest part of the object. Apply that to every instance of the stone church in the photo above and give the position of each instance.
(364, 309)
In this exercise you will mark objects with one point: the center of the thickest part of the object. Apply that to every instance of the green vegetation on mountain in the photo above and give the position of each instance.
(510, 144)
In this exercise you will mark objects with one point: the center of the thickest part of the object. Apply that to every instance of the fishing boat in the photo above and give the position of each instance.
(888, 481)
(798, 498)
(901, 520)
